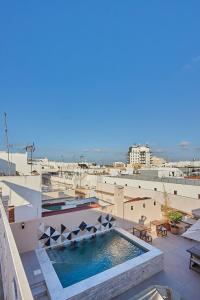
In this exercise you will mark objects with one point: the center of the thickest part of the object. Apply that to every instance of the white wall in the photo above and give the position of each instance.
(143, 211)
(185, 190)
(27, 238)
(24, 193)
(18, 162)
(15, 284)
(183, 203)
(5, 170)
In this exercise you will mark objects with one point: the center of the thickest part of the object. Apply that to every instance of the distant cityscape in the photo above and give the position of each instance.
(99, 150)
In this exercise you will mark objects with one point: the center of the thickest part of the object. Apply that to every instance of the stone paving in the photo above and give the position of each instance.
(176, 274)
(1, 287)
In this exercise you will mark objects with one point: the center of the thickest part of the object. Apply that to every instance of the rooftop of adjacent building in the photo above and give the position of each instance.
(161, 179)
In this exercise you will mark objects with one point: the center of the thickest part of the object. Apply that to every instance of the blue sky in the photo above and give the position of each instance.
(93, 77)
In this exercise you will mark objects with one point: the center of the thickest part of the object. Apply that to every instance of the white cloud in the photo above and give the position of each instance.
(185, 145)
(94, 150)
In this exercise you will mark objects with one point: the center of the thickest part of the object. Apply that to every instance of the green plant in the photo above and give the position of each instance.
(175, 216)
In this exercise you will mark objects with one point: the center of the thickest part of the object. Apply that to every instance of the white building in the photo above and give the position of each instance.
(138, 154)
(183, 194)
(157, 161)
(18, 163)
(119, 164)
(22, 195)
(154, 172)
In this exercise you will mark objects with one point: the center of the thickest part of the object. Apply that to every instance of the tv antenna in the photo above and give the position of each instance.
(7, 141)
(30, 149)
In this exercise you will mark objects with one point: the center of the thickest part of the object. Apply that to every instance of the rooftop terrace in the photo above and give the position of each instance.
(176, 274)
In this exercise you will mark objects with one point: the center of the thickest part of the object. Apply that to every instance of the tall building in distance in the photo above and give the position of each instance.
(139, 154)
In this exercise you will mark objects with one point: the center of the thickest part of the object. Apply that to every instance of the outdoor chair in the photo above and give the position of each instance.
(146, 237)
(161, 231)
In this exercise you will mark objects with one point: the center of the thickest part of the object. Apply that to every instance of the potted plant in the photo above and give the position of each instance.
(174, 218)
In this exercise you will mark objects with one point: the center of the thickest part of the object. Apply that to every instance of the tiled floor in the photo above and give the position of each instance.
(1, 288)
(176, 272)
(31, 264)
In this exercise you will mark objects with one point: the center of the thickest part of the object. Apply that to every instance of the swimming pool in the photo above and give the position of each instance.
(121, 273)
(88, 257)
(53, 207)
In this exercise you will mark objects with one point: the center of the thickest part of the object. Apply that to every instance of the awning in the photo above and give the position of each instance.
(193, 232)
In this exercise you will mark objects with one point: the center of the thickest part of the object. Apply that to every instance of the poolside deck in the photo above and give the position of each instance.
(34, 276)
(1, 287)
(176, 274)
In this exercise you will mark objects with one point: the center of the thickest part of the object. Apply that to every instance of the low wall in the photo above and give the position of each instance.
(15, 284)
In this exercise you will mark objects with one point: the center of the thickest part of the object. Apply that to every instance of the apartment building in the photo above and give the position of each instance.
(138, 154)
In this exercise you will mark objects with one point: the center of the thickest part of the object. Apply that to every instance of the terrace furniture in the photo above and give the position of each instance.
(194, 258)
(161, 231)
(146, 237)
(140, 229)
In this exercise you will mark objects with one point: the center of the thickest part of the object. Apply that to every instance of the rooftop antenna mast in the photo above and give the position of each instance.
(7, 142)
(31, 148)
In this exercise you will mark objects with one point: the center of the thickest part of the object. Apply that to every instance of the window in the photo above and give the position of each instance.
(126, 184)
(155, 189)
(143, 205)
(131, 207)
(114, 182)
(154, 203)
(105, 181)
(139, 187)
(199, 196)
(175, 193)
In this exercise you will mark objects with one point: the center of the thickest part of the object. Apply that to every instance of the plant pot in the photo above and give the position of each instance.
(174, 229)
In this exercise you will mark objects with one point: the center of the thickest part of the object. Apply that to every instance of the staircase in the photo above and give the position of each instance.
(39, 291)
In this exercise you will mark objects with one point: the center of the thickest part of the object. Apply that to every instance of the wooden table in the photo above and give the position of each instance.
(157, 223)
(195, 258)
(140, 228)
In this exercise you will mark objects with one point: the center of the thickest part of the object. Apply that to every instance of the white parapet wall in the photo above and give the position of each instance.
(15, 284)
(24, 194)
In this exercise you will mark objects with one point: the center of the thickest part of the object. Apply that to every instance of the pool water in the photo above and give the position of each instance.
(86, 258)
(53, 207)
